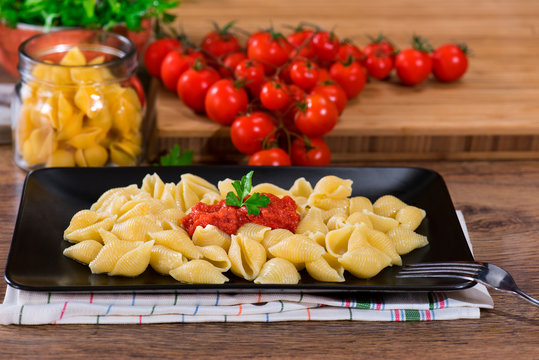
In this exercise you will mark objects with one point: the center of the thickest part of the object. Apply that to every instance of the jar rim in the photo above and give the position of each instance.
(120, 55)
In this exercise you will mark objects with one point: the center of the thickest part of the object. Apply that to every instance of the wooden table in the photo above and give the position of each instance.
(499, 201)
(491, 113)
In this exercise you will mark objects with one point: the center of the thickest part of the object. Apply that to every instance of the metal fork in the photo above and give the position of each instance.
(484, 273)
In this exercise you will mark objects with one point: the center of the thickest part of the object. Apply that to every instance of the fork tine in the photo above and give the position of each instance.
(437, 271)
(446, 265)
(445, 268)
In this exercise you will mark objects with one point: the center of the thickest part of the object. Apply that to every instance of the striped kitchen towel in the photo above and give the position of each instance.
(30, 308)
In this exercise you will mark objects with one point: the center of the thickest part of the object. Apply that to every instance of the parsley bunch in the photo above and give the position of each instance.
(85, 13)
(253, 203)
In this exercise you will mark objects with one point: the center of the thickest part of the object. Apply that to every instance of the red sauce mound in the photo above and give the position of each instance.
(279, 214)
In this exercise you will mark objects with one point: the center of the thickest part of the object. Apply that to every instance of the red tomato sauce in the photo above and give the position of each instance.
(279, 214)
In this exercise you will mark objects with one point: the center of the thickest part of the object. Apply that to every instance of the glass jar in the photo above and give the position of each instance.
(78, 102)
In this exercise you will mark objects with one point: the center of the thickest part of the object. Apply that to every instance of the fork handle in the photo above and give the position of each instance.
(526, 296)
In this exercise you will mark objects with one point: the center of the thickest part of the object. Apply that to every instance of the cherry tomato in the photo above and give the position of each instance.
(325, 46)
(252, 73)
(316, 116)
(249, 132)
(230, 62)
(300, 38)
(313, 153)
(304, 74)
(225, 100)
(274, 95)
(350, 52)
(156, 52)
(449, 62)
(193, 85)
(333, 92)
(270, 157)
(351, 77)
(220, 41)
(270, 48)
(379, 46)
(413, 66)
(323, 75)
(297, 95)
(174, 64)
(379, 66)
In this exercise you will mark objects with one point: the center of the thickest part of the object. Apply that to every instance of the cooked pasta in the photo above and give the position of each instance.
(130, 228)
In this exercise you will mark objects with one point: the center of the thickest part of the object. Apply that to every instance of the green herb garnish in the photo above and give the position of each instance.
(85, 13)
(175, 157)
(243, 188)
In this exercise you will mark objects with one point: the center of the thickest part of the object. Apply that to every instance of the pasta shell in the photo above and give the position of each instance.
(365, 262)
(382, 223)
(134, 262)
(174, 215)
(85, 225)
(387, 205)
(211, 235)
(217, 256)
(360, 203)
(83, 252)
(246, 256)
(225, 186)
(109, 195)
(270, 189)
(163, 259)
(301, 188)
(198, 272)
(278, 271)
(337, 240)
(336, 222)
(135, 228)
(333, 187)
(383, 243)
(410, 216)
(312, 221)
(139, 209)
(359, 217)
(326, 268)
(339, 212)
(326, 203)
(358, 238)
(297, 249)
(177, 240)
(253, 231)
(153, 185)
(317, 237)
(109, 255)
(107, 236)
(272, 237)
(406, 240)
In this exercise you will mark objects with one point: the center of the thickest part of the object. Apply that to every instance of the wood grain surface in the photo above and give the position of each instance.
(499, 201)
(491, 113)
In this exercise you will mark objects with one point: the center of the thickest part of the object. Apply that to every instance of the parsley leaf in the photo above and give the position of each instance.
(243, 187)
(175, 157)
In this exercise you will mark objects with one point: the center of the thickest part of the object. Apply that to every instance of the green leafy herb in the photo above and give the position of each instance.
(243, 187)
(175, 157)
(85, 13)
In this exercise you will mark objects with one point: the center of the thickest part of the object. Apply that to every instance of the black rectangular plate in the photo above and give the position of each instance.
(52, 196)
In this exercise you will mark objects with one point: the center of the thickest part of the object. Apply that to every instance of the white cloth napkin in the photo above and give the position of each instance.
(30, 308)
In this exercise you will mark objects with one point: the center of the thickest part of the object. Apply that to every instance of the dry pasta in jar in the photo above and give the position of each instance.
(76, 103)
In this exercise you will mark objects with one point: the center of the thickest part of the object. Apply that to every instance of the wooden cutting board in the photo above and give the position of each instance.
(493, 112)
